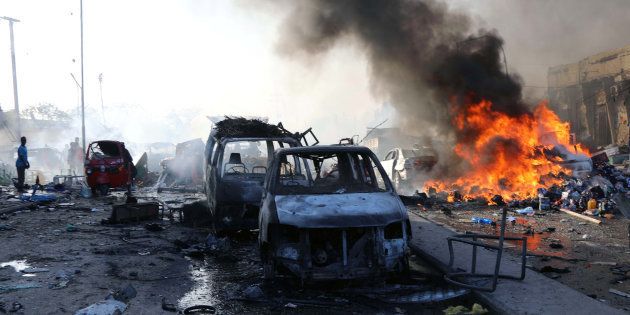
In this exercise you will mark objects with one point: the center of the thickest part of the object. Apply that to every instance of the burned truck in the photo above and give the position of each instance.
(237, 156)
(330, 212)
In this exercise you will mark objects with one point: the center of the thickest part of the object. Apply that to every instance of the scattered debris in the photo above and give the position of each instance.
(134, 212)
(169, 307)
(253, 292)
(108, 306)
(554, 269)
(200, 309)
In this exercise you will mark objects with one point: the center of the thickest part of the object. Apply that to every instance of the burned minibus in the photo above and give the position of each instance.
(237, 156)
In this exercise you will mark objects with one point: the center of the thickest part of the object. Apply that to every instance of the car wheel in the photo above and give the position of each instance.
(103, 190)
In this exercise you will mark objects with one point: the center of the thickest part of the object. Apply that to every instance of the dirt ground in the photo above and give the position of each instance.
(81, 261)
(592, 258)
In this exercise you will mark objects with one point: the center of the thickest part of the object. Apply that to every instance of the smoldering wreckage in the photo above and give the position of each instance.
(260, 219)
(321, 212)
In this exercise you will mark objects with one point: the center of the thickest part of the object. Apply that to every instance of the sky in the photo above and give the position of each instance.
(177, 61)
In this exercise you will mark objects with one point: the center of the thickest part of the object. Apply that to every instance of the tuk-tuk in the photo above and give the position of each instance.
(105, 166)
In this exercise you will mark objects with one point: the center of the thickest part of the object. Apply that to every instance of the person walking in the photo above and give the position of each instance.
(21, 164)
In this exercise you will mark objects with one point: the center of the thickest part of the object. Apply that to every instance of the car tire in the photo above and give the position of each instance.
(103, 190)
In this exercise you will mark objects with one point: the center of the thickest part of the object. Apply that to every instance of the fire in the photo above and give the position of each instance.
(506, 155)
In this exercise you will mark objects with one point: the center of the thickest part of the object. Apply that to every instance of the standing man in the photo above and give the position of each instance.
(21, 164)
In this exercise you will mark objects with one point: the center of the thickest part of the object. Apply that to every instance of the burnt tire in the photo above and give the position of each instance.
(103, 190)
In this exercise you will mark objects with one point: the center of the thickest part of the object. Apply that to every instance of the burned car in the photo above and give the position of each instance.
(330, 212)
(237, 155)
(404, 166)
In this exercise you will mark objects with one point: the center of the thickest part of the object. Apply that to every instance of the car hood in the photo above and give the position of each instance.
(339, 210)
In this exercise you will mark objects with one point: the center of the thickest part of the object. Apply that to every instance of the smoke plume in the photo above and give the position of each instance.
(423, 58)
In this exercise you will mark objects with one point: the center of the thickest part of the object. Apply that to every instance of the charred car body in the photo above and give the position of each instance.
(237, 156)
(330, 212)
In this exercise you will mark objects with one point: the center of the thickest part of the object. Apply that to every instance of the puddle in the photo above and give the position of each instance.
(17, 265)
(203, 291)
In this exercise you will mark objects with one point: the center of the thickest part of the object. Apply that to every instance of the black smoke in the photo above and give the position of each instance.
(423, 58)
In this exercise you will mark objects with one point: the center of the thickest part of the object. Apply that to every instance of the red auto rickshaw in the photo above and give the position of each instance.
(106, 166)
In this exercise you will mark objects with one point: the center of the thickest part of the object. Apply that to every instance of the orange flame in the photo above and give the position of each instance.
(507, 155)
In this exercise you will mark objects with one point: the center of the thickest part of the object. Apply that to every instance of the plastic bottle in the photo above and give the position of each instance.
(592, 204)
(481, 220)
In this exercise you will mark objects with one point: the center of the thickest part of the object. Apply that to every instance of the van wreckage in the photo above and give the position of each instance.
(236, 159)
(330, 212)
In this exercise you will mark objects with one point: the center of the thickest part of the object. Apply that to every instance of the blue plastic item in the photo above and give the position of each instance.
(481, 220)
(38, 198)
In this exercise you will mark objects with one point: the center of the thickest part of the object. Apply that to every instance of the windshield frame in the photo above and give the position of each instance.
(273, 181)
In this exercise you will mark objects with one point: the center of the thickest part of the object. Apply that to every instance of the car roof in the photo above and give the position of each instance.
(324, 149)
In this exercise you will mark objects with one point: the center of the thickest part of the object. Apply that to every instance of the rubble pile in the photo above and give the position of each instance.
(597, 193)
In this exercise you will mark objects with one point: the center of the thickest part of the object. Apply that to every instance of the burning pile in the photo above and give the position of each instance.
(511, 156)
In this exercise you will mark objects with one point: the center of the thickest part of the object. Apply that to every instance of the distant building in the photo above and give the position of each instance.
(594, 96)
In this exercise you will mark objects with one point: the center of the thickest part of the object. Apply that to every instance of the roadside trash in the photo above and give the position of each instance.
(144, 253)
(194, 251)
(592, 204)
(71, 228)
(86, 191)
(15, 307)
(481, 220)
(460, 309)
(126, 294)
(39, 198)
(96, 210)
(153, 227)
(556, 245)
(108, 306)
(169, 307)
(604, 263)
(200, 309)
(543, 203)
(214, 243)
(290, 305)
(620, 293)
(253, 292)
(134, 212)
(554, 269)
(527, 211)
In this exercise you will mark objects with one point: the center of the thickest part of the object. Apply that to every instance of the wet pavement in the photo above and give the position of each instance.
(75, 267)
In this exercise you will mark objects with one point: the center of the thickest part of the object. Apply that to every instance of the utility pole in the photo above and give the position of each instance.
(82, 83)
(100, 83)
(15, 89)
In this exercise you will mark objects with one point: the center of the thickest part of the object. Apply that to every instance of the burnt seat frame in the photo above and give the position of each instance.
(458, 278)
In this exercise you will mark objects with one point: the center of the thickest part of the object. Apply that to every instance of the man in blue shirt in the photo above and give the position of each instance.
(21, 164)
